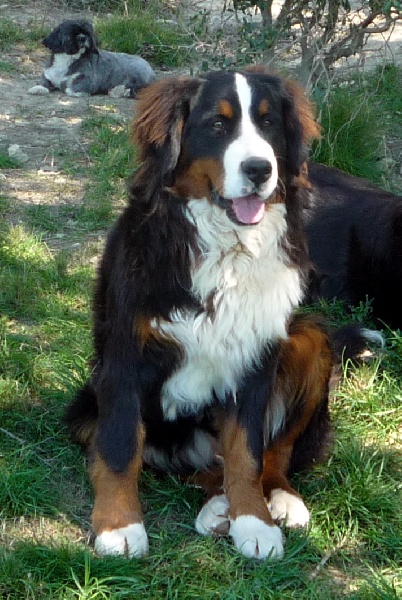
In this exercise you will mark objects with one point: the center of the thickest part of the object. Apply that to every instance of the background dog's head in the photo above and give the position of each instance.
(237, 139)
(72, 37)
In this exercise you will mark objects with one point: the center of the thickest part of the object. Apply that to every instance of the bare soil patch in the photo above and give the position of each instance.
(46, 129)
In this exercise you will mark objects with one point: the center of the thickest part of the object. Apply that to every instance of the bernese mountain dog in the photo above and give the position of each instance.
(200, 361)
(354, 231)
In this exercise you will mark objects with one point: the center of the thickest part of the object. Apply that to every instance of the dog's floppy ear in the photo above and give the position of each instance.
(301, 126)
(162, 110)
(54, 41)
(87, 38)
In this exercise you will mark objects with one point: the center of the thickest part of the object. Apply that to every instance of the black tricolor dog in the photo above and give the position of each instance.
(200, 362)
(354, 231)
(78, 68)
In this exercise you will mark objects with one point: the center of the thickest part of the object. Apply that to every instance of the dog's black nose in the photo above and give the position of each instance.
(258, 170)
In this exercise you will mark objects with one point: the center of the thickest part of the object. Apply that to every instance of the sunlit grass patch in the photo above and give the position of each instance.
(357, 119)
(112, 155)
(148, 34)
(12, 34)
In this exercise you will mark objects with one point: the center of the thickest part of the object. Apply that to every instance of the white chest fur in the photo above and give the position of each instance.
(57, 72)
(245, 271)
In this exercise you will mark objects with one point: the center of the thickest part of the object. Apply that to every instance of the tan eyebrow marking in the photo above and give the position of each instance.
(263, 108)
(225, 109)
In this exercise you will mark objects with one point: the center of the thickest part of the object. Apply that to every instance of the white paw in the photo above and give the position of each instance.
(38, 90)
(129, 541)
(119, 91)
(70, 92)
(213, 517)
(287, 508)
(256, 539)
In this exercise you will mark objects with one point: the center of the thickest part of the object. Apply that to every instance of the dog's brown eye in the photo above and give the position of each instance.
(218, 125)
(266, 122)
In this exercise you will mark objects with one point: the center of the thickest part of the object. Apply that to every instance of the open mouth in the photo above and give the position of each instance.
(246, 210)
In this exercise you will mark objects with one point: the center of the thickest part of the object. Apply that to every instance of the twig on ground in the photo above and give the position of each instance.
(326, 558)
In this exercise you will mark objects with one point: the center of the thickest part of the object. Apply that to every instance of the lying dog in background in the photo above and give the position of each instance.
(200, 362)
(78, 68)
(354, 231)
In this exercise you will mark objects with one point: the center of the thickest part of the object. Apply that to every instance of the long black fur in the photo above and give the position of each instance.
(354, 231)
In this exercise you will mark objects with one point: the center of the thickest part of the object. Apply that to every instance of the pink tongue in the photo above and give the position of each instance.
(248, 209)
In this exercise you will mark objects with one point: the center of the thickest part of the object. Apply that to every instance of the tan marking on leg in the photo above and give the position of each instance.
(210, 481)
(303, 375)
(242, 482)
(117, 502)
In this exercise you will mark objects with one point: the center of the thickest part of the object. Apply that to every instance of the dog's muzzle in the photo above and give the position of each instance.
(245, 210)
(248, 209)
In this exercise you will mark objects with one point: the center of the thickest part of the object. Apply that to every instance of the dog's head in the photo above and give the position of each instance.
(72, 37)
(236, 139)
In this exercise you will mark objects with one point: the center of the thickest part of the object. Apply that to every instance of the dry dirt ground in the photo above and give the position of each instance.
(47, 129)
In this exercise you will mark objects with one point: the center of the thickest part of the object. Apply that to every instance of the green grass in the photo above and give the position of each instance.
(346, 117)
(355, 120)
(6, 67)
(112, 6)
(112, 157)
(385, 84)
(6, 162)
(12, 34)
(145, 33)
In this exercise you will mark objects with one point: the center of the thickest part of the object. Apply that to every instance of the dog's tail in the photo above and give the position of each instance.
(81, 416)
(351, 345)
(352, 342)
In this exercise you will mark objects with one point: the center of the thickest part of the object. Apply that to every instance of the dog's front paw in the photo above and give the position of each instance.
(213, 517)
(119, 91)
(73, 94)
(130, 541)
(256, 539)
(288, 508)
(38, 90)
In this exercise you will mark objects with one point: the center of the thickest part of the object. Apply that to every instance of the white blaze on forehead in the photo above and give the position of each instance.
(249, 143)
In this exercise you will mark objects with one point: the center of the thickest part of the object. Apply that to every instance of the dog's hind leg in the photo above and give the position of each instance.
(133, 86)
(303, 378)
(213, 518)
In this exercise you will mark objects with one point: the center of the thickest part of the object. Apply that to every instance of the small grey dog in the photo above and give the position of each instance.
(78, 68)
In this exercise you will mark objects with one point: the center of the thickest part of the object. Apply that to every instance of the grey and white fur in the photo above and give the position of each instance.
(78, 68)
